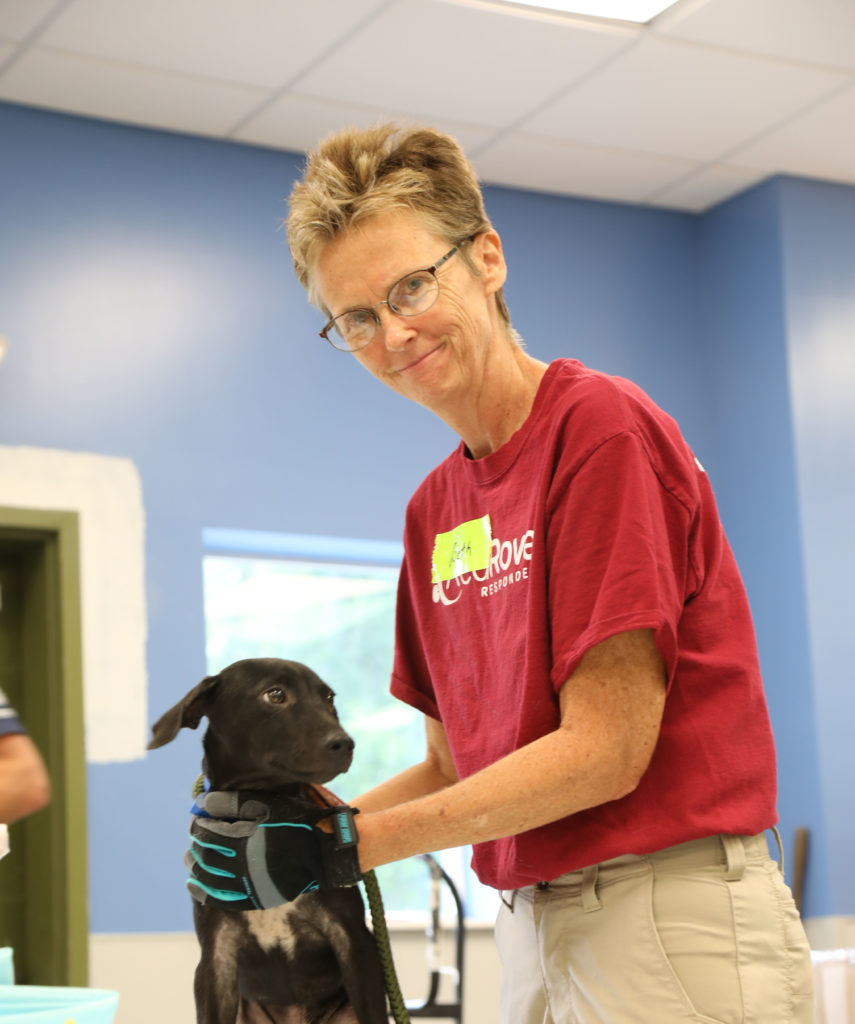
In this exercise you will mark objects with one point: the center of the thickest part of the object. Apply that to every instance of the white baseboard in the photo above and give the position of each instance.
(153, 973)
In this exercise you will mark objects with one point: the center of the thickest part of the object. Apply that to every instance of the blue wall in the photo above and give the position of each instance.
(146, 290)
(752, 462)
(818, 234)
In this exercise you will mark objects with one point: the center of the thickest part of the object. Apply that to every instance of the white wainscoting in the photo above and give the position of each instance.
(153, 973)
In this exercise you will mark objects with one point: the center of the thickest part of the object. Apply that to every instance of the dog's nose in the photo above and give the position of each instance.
(340, 743)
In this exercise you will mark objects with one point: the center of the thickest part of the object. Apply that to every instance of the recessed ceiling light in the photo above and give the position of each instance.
(640, 11)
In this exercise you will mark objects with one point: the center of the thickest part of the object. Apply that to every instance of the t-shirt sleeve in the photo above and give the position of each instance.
(618, 553)
(9, 721)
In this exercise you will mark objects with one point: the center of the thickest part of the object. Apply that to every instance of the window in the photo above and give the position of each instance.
(330, 602)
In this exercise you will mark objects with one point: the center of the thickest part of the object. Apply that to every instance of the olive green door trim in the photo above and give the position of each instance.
(47, 544)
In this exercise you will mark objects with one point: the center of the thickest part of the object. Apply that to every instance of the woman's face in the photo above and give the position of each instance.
(436, 357)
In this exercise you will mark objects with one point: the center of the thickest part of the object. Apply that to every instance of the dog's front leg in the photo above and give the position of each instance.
(365, 987)
(216, 980)
(258, 1013)
(361, 975)
(216, 996)
(345, 1016)
(339, 914)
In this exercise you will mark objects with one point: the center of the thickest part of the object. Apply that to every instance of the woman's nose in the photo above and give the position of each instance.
(395, 328)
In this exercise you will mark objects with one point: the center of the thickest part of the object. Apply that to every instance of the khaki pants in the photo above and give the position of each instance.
(706, 932)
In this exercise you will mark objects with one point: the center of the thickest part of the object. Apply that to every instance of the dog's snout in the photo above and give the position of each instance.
(340, 743)
(339, 750)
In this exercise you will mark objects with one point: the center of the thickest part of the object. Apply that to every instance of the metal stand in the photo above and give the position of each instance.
(430, 1007)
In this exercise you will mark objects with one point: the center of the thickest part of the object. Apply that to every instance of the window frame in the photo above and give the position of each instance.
(311, 549)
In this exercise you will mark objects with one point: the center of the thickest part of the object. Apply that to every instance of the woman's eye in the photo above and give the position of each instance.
(410, 290)
(275, 696)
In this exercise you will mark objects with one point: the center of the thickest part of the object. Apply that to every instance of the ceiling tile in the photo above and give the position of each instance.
(300, 122)
(440, 60)
(711, 96)
(258, 42)
(820, 143)
(550, 165)
(19, 17)
(96, 88)
(811, 31)
(677, 99)
(705, 188)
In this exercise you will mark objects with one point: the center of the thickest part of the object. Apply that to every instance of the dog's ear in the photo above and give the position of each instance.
(186, 713)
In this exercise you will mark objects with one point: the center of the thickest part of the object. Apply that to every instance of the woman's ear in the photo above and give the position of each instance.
(490, 259)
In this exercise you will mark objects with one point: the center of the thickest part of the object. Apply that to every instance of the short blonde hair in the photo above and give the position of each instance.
(362, 172)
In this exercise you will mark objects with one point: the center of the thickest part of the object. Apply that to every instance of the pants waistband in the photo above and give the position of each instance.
(734, 853)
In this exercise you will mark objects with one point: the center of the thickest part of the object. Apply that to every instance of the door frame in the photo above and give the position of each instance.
(52, 710)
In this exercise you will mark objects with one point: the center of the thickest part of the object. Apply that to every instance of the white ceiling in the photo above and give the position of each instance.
(711, 97)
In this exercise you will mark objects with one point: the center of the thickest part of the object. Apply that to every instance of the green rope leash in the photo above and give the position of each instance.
(381, 937)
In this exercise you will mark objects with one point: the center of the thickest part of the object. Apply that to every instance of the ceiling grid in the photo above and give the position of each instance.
(706, 100)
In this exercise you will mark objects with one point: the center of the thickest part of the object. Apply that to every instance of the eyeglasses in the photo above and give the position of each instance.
(416, 293)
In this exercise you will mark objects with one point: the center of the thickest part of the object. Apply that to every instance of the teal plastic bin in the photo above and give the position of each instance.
(43, 1004)
(7, 966)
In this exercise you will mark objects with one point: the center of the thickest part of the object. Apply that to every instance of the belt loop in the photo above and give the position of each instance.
(513, 900)
(590, 899)
(734, 851)
(777, 836)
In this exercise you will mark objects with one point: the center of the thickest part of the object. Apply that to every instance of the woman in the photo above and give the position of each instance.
(570, 621)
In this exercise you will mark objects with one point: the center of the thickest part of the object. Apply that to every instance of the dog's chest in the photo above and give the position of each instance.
(275, 929)
(290, 956)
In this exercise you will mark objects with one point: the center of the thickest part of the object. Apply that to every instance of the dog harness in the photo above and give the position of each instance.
(341, 862)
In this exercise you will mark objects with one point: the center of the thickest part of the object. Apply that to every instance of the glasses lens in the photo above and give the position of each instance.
(414, 294)
(354, 329)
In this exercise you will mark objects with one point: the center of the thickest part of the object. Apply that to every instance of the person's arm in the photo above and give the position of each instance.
(611, 711)
(436, 772)
(24, 782)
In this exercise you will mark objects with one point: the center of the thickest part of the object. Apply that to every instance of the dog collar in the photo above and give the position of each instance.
(200, 787)
(346, 862)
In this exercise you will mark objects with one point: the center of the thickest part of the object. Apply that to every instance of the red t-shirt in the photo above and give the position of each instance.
(601, 520)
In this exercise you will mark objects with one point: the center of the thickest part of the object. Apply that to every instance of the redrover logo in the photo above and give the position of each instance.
(508, 565)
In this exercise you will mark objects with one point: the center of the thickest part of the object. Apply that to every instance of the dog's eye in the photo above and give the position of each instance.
(331, 701)
(276, 695)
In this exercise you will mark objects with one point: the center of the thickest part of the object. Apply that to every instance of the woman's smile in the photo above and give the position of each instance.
(419, 361)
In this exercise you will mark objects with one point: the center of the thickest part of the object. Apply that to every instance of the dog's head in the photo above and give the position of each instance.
(271, 723)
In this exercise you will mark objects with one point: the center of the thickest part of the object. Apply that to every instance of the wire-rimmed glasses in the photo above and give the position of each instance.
(416, 293)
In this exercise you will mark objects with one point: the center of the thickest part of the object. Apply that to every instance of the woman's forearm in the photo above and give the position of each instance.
(411, 784)
(611, 711)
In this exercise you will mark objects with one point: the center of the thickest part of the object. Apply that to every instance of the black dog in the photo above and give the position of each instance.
(272, 727)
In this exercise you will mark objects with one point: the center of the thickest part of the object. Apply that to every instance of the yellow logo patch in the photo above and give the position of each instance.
(466, 548)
